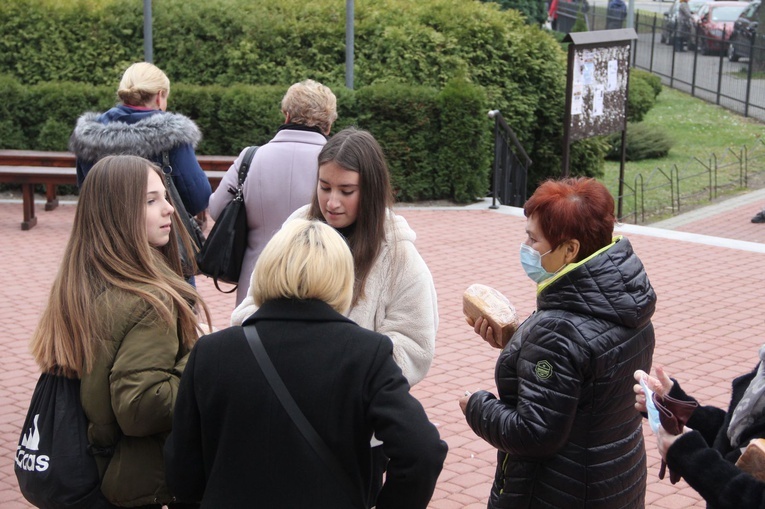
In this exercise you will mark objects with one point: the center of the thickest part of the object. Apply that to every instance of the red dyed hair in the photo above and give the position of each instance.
(574, 208)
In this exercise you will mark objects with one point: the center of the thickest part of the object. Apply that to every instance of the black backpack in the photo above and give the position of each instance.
(54, 463)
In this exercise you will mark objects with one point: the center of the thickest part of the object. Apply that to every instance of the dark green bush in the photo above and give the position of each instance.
(534, 10)
(11, 134)
(580, 25)
(429, 135)
(261, 42)
(465, 132)
(653, 80)
(640, 99)
(588, 157)
(405, 118)
(643, 142)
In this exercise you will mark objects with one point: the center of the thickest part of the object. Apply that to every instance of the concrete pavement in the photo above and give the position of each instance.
(707, 269)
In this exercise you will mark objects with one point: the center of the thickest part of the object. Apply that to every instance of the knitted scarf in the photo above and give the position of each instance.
(751, 407)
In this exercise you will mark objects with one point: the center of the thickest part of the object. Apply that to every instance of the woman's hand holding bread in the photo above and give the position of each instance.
(490, 314)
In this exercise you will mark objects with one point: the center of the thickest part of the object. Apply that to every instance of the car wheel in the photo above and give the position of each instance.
(732, 55)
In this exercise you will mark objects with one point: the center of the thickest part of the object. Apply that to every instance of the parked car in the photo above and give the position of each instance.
(744, 30)
(670, 18)
(714, 25)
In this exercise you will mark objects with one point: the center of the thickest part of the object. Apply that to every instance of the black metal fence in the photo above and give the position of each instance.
(670, 191)
(707, 73)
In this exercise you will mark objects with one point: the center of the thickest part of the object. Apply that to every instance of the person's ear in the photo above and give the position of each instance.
(571, 250)
(286, 117)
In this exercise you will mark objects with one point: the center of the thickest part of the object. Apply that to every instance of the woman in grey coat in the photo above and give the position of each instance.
(282, 175)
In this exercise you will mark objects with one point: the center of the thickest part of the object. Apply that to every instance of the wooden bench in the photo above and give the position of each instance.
(31, 167)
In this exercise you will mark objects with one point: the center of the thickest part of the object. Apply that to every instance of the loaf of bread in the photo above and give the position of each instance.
(484, 301)
(752, 461)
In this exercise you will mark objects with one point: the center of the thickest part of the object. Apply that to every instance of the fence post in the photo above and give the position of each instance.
(749, 78)
(642, 197)
(720, 68)
(653, 43)
(635, 42)
(695, 63)
(673, 34)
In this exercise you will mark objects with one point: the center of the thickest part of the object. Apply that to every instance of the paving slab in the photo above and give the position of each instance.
(707, 272)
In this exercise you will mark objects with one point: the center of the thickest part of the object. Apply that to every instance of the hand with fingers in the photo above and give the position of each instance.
(464, 401)
(665, 439)
(661, 384)
(482, 328)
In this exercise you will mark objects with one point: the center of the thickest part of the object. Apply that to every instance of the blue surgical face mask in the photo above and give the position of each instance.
(531, 261)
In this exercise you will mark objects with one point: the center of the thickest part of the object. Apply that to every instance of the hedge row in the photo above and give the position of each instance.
(224, 43)
(429, 135)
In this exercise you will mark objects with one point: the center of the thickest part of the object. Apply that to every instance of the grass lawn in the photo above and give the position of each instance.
(708, 154)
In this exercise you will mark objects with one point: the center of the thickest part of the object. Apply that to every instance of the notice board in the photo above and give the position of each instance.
(599, 91)
(597, 84)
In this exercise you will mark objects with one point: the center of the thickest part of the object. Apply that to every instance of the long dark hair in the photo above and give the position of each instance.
(357, 150)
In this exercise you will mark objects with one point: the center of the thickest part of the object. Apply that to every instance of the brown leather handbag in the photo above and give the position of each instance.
(673, 414)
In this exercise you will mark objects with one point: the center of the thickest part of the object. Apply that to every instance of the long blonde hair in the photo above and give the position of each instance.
(109, 248)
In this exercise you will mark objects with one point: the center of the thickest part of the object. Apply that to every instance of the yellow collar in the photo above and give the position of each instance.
(571, 266)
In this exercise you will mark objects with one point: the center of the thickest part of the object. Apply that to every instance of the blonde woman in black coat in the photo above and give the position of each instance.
(236, 446)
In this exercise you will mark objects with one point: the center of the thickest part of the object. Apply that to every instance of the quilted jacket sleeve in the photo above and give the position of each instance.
(539, 376)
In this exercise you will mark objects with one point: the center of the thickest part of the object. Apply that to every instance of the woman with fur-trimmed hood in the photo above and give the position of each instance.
(141, 126)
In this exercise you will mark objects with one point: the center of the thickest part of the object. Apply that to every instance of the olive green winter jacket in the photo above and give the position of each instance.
(129, 397)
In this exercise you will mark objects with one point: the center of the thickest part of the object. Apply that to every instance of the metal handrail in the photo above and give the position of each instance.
(508, 179)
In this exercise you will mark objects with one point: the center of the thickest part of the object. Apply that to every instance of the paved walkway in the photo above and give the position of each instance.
(706, 267)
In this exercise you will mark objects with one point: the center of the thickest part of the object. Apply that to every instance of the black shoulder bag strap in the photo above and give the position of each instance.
(244, 168)
(195, 231)
(295, 413)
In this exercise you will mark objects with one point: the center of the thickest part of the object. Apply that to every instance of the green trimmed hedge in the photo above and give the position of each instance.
(427, 134)
(233, 43)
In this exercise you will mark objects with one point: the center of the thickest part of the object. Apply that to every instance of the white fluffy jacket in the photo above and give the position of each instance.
(399, 299)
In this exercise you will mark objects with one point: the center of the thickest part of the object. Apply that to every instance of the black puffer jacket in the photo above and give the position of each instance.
(565, 425)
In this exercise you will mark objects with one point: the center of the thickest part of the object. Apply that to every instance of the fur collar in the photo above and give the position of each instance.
(92, 140)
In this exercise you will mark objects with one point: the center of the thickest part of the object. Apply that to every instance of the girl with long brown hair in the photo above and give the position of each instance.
(121, 318)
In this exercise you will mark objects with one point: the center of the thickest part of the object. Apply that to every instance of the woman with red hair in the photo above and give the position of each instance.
(564, 424)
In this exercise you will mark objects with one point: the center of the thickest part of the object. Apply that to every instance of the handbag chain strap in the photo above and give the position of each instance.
(308, 431)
